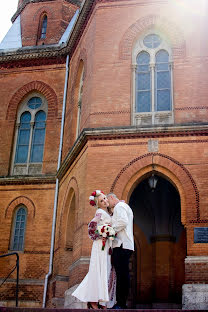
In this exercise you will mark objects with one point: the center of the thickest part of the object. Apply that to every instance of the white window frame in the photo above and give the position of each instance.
(27, 168)
(153, 117)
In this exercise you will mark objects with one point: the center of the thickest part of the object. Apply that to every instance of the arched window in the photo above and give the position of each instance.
(38, 139)
(30, 136)
(80, 101)
(162, 82)
(44, 27)
(23, 138)
(152, 81)
(143, 83)
(70, 225)
(19, 225)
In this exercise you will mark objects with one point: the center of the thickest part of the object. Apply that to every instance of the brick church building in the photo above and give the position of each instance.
(110, 95)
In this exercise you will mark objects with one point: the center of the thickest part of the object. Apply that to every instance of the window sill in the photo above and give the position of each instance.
(156, 118)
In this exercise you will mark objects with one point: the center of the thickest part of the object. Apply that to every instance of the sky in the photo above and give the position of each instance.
(6, 12)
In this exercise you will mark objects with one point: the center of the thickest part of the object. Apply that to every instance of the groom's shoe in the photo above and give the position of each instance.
(116, 307)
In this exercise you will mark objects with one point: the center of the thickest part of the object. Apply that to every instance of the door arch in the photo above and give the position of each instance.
(172, 169)
(160, 240)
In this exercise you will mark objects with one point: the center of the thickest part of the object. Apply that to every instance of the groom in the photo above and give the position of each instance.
(123, 246)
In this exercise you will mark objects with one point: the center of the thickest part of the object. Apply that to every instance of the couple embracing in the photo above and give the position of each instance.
(106, 285)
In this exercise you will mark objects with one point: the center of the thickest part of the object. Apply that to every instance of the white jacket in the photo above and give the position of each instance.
(122, 222)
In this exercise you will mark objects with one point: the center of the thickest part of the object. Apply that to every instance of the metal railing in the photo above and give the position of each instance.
(16, 266)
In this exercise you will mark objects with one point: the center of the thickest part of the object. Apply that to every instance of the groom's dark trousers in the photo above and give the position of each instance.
(120, 261)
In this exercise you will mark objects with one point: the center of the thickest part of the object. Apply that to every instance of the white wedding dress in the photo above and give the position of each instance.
(99, 285)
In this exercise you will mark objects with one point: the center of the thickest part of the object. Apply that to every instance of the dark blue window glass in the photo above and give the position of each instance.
(162, 82)
(23, 139)
(19, 229)
(38, 138)
(143, 83)
(34, 102)
(152, 41)
(44, 27)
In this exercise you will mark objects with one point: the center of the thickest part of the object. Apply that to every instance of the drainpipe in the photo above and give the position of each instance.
(57, 185)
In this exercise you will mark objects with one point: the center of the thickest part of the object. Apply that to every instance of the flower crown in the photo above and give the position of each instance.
(93, 195)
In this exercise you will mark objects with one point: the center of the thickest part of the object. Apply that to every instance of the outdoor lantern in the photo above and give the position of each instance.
(152, 182)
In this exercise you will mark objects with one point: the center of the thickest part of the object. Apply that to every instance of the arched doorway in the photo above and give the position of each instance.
(157, 266)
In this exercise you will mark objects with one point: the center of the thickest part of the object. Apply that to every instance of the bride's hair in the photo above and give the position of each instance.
(94, 198)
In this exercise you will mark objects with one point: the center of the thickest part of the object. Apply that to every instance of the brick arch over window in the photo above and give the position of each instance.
(72, 190)
(169, 29)
(169, 167)
(39, 86)
(41, 11)
(82, 58)
(18, 201)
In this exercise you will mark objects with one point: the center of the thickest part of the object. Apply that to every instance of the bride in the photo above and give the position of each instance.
(98, 288)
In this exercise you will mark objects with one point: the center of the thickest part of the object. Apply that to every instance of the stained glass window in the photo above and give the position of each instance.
(162, 81)
(30, 136)
(35, 102)
(152, 41)
(153, 83)
(23, 138)
(19, 229)
(143, 83)
(38, 138)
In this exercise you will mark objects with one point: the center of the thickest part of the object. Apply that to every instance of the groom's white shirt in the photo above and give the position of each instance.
(122, 222)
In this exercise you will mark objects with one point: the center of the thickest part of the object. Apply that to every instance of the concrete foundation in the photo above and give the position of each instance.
(72, 302)
(195, 297)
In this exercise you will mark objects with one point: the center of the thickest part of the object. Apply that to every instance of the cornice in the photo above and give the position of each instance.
(130, 132)
(51, 51)
(25, 180)
(21, 63)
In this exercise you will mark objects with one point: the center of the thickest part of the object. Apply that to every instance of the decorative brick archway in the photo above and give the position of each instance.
(18, 201)
(170, 29)
(174, 171)
(39, 86)
(72, 190)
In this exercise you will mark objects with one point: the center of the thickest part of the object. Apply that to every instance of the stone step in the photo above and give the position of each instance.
(12, 309)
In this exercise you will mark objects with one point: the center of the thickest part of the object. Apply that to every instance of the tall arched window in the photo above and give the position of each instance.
(162, 81)
(19, 226)
(38, 138)
(30, 136)
(80, 92)
(143, 83)
(44, 27)
(152, 81)
(23, 138)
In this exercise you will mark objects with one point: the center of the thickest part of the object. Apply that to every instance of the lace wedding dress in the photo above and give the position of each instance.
(99, 285)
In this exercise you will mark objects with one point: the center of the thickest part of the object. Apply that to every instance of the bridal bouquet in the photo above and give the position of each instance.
(107, 232)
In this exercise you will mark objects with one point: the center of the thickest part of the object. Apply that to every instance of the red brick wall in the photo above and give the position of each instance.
(196, 273)
(108, 41)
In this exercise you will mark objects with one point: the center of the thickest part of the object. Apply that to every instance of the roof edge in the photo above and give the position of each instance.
(54, 50)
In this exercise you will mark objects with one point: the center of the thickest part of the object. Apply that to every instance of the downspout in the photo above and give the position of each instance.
(57, 185)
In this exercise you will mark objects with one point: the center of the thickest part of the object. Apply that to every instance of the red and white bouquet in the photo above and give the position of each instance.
(107, 232)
